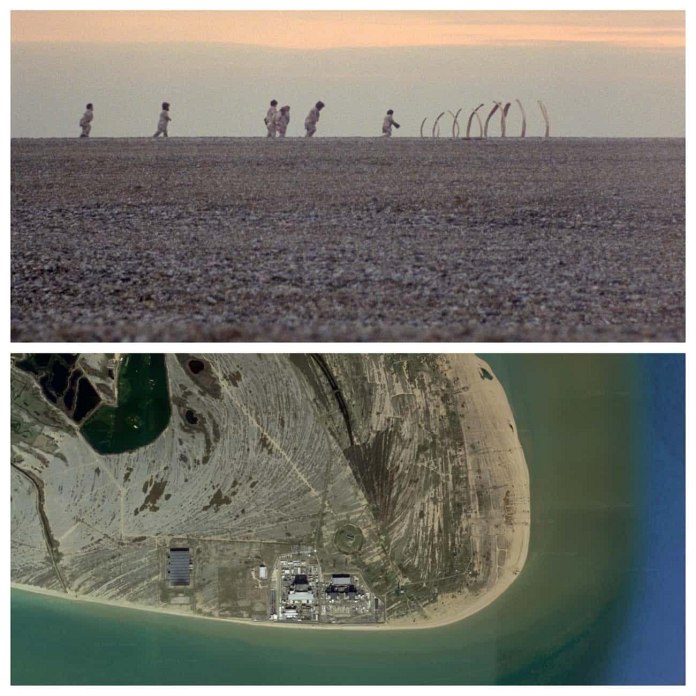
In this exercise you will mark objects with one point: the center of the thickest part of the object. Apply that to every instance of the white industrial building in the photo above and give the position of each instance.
(301, 597)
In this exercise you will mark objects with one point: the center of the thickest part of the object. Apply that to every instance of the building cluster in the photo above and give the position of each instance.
(341, 587)
(299, 579)
(300, 592)
(295, 588)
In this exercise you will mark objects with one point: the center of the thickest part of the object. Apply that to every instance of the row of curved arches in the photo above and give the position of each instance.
(483, 126)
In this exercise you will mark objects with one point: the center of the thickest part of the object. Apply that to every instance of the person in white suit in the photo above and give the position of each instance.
(86, 121)
(270, 119)
(310, 123)
(282, 118)
(388, 123)
(163, 122)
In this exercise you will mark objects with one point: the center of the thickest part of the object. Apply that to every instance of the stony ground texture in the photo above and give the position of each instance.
(348, 239)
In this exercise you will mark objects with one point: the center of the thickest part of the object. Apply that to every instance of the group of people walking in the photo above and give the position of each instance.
(162, 124)
(276, 120)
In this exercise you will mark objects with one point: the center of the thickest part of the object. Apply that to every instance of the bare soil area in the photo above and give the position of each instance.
(348, 239)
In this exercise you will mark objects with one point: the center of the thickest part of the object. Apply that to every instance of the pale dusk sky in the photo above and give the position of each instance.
(599, 73)
(379, 29)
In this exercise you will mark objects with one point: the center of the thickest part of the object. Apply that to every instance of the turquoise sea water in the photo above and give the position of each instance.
(593, 446)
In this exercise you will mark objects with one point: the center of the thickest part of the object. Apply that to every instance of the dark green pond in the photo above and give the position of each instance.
(143, 409)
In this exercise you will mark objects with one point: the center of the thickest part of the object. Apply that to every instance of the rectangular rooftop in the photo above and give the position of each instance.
(179, 567)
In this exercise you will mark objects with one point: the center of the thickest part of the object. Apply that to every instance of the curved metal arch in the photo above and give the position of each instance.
(455, 124)
(436, 126)
(422, 124)
(503, 118)
(488, 119)
(471, 118)
(545, 114)
(524, 119)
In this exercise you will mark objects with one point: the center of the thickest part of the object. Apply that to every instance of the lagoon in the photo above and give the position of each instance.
(143, 408)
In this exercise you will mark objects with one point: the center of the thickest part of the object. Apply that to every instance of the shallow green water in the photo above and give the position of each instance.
(556, 624)
(143, 408)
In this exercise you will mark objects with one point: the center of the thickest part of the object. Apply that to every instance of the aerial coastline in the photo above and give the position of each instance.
(426, 548)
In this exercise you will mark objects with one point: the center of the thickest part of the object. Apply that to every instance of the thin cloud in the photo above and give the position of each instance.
(323, 30)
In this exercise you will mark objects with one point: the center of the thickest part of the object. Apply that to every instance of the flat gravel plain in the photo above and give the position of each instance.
(348, 240)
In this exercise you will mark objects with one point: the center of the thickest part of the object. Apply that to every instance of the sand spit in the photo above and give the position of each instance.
(347, 239)
(433, 475)
(502, 464)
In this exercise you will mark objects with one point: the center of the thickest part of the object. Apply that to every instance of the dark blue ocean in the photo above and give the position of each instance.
(652, 646)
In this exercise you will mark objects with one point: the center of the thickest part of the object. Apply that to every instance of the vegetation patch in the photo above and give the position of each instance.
(153, 496)
(218, 500)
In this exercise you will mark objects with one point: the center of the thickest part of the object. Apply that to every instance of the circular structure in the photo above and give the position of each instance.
(349, 538)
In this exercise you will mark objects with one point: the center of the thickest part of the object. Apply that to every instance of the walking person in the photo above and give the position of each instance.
(163, 122)
(310, 123)
(282, 118)
(388, 123)
(270, 119)
(86, 121)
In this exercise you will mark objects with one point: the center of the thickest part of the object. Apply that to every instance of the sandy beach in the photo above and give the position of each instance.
(443, 618)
